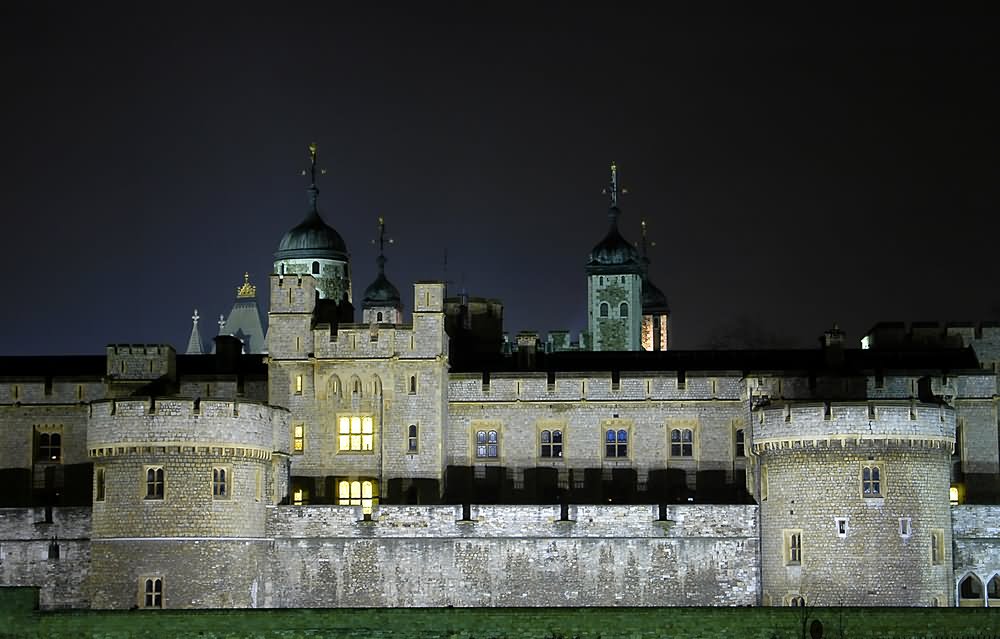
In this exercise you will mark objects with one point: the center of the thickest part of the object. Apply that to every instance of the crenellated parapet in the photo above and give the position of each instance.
(845, 424)
(121, 427)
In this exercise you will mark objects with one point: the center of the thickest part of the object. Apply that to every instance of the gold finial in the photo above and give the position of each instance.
(248, 289)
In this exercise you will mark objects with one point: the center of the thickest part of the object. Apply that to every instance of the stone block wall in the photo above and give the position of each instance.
(976, 539)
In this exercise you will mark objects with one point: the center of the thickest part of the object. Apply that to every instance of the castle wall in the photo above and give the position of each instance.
(26, 559)
(515, 556)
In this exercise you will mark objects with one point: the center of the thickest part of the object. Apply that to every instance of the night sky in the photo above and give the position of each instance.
(795, 170)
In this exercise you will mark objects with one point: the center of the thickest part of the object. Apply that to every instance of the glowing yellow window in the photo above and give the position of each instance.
(356, 433)
(298, 438)
(357, 493)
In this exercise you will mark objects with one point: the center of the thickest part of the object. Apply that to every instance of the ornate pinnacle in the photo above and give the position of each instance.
(612, 190)
(195, 317)
(381, 242)
(248, 289)
(313, 190)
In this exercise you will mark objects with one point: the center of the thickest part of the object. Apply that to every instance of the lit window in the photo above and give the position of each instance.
(357, 493)
(221, 478)
(793, 547)
(623, 310)
(298, 384)
(298, 438)
(99, 484)
(154, 482)
(298, 497)
(604, 309)
(411, 438)
(871, 480)
(616, 443)
(740, 443)
(49, 447)
(953, 495)
(681, 442)
(357, 433)
(487, 444)
(551, 442)
(152, 590)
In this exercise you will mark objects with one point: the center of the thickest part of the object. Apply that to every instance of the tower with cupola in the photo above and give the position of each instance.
(614, 285)
(381, 304)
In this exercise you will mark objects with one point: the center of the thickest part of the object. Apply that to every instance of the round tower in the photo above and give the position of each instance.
(854, 503)
(314, 248)
(614, 286)
(181, 489)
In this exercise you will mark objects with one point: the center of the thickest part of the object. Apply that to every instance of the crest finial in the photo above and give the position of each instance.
(247, 289)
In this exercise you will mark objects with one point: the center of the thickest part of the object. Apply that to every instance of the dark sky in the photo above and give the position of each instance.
(795, 170)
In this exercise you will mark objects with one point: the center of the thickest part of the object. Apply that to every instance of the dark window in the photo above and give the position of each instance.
(413, 384)
(740, 443)
(616, 443)
(99, 484)
(378, 316)
(220, 483)
(993, 588)
(49, 447)
(154, 483)
(551, 443)
(794, 549)
(623, 310)
(681, 442)
(797, 602)
(871, 481)
(604, 309)
(153, 593)
(411, 438)
(53, 549)
(315, 268)
(970, 588)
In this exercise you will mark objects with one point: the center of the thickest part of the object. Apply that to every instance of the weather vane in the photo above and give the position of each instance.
(612, 190)
(382, 240)
(650, 244)
(313, 153)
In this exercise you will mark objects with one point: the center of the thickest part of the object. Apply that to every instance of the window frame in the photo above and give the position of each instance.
(548, 448)
(792, 547)
(937, 548)
(684, 449)
(740, 442)
(616, 439)
(871, 477)
(100, 483)
(413, 439)
(149, 596)
(48, 432)
(222, 482)
(604, 310)
(155, 489)
(358, 498)
(298, 438)
(359, 435)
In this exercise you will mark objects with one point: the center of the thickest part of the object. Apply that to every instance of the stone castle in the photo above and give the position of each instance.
(430, 462)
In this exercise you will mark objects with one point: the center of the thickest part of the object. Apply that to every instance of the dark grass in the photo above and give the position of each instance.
(19, 620)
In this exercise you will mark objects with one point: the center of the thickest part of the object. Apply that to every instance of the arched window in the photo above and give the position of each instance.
(740, 443)
(681, 442)
(623, 310)
(487, 444)
(413, 384)
(797, 602)
(551, 442)
(378, 316)
(376, 386)
(282, 269)
(616, 443)
(315, 268)
(600, 280)
(334, 387)
(993, 591)
(971, 588)
(153, 593)
(604, 309)
(871, 481)
(411, 439)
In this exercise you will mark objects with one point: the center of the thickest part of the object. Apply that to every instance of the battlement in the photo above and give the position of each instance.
(428, 297)
(504, 521)
(594, 386)
(930, 334)
(786, 424)
(141, 362)
(180, 422)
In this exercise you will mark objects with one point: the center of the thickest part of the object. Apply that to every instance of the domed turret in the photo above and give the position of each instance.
(655, 308)
(382, 304)
(614, 286)
(313, 247)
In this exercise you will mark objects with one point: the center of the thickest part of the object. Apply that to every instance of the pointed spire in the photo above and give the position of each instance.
(312, 188)
(195, 345)
(222, 323)
(645, 245)
(381, 242)
(613, 190)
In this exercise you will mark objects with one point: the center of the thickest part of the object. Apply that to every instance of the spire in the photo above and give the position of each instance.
(221, 322)
(195, 345)
(613, 191)
(381, 242)
(645, 245)
(312, 188)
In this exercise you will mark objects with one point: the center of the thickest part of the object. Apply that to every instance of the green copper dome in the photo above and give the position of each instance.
(312, 238)
(614, 253)
(381, 292)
